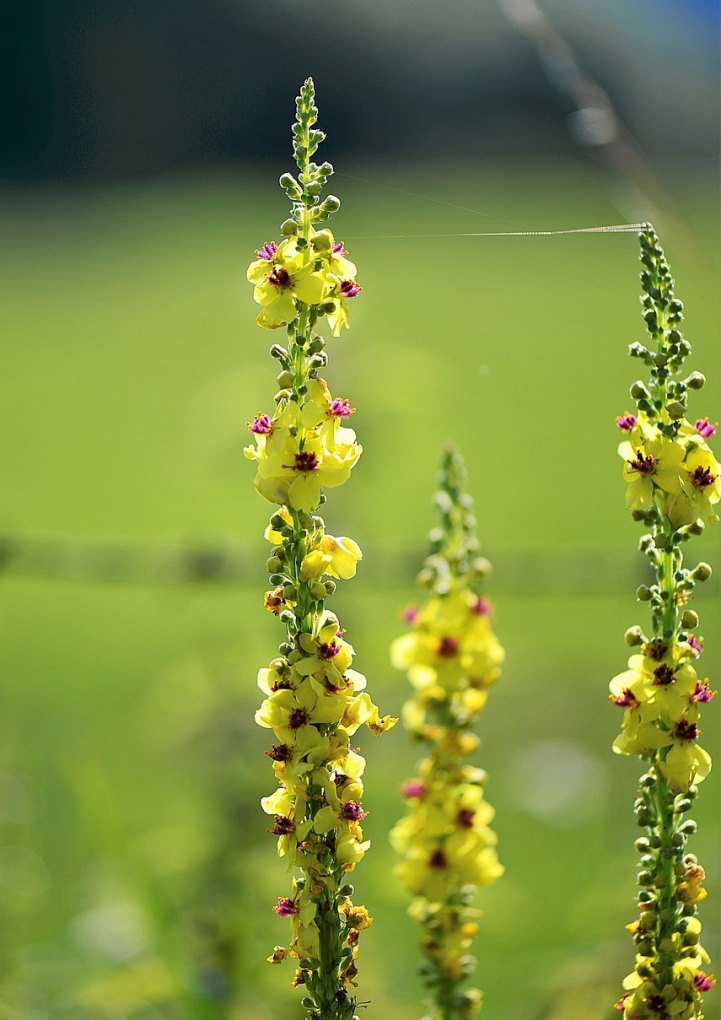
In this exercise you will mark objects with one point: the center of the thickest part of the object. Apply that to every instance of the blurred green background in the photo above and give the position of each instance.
(136, 874)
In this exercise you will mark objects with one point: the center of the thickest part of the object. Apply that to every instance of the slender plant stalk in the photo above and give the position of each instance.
(674, 482)
(315, 701)
(452, 656)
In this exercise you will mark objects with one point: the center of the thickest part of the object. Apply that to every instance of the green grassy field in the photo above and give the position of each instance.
(133, 854)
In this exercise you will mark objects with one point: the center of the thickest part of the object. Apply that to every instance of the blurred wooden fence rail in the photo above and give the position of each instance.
(224, 561)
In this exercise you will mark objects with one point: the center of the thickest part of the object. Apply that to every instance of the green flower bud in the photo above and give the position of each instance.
(329, 586)
(702, 572)
(634, 636)
(273, 565)
(323, 240)
(330, 204)
(289, 228)
(639, 390)
(696, 381)
(689, 620)
(318, 590)
(285, 379)
(676, 409)
(643, 593)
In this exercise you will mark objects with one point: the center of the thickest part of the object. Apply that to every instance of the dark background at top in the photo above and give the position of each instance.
(112, 88)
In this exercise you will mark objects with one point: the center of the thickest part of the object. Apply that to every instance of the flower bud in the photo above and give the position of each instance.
(702, 572)
(330, 204)
(689, 620)
(676, 409)
(696, 381)
(634, 636)
(285, 379)
(289, 228)
(323, 240)
(639, 390)
(643, 593)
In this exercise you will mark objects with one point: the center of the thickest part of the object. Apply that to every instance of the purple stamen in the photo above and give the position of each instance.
(656, 1002)
(349, 288)
(702, 692)
(267, 251)
(704, 982)
(626, 421)
(352, 812)
(297, 718)
(448, 648)
(280, 278)
(693, 642)
(704, 427)
(438, 859)
(465, 818)
(664, 676)
(702, 477)
(340, 408)
(283, 826)
(328, 651)
(338, 248)
(286, 907)
(482, 607)
(686, 730)
(626, 699)
(305, 461)
(655, 649)
(410, 615)
(644, 465)
(414, 788)
(280, 752)
(262, 425)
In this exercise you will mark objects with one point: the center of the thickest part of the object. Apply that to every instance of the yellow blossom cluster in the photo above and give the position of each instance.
(314, 272)
(673, 485)
(314, 700)
(679, 472)
(452, 657)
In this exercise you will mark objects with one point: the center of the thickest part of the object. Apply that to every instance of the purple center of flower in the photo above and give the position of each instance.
(656, 1003)
(702, 477)
(329, 650)
(352, 811)
(283, 826)
(338, 248)
(305, 461)
(686, 730)
(280, 278)
(465, 818)
(286, 907)
(280, 752)
(413, 788)
(448, 648)
(626, 421)
(340, 408)
(693, 642)
(644, 465)
(482, 607)
(297, 718)
(262, 425)
(349, 288)
(656, 649)
(704, 427)
(267, 251)
(663, 676)
(702, 692)
(438, 859)
(626, 699)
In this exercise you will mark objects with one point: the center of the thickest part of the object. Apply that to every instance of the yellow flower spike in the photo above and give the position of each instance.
(314, 701)
(673, 485)
(452, 657)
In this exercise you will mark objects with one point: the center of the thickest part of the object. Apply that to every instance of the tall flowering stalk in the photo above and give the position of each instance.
(452, 657)
(673, 483)
(315, 701)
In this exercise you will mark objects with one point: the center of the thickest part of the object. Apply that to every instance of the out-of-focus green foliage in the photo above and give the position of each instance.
(136, 881)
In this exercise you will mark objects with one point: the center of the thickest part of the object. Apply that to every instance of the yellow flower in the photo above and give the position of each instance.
(282, 276)
(336, 557)
(292, 469)
(650, 462)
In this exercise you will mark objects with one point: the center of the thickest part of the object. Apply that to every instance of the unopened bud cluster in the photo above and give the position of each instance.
(452, 657)
(315, 702)
(673, 485)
